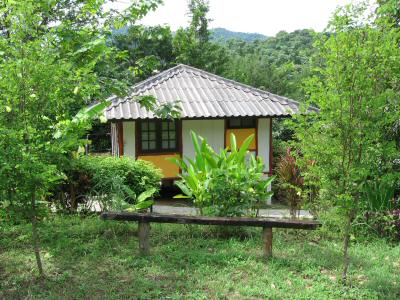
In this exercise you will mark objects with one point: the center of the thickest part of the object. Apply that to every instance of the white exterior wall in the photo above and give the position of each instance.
(129, 138)
(212, 130)
(263, 136)
(263, 139)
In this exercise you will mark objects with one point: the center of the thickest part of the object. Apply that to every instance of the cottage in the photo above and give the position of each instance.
(212, 106)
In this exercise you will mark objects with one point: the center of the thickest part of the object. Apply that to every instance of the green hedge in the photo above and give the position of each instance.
(110, 177)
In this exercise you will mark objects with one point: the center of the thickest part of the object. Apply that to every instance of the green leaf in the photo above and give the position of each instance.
(184, 188)
(178, 161)
(144, 204)
(233, 146)
(211, 161)
(245, 146)
(57, 134)
(147, 101)
(146, 194)
(195, 141)
(103, 119)
(180, 196)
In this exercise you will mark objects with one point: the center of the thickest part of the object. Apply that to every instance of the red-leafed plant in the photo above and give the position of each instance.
(291, 181)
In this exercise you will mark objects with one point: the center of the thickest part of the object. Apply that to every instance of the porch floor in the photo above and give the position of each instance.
(177, 207)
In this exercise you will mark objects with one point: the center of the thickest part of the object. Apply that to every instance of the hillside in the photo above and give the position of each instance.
(222, 34)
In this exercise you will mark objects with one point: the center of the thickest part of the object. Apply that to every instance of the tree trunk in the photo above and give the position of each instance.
(346, 244)
(74, 204)
(35, 237)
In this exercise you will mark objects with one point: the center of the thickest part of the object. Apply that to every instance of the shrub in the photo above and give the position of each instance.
(379, 195)
(381, 210)
(229, 183)
(280, 148)
(107, 179)
(384, 223)
(238, 189)
(291, 181)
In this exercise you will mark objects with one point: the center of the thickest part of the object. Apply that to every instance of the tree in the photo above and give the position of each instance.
(198, 10)
(389, 9)
(356, 89)
(192, 45)
(49, 54)
(146, 49)
(278, 64)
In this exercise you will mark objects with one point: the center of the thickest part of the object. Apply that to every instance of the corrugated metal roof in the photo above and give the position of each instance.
(201, 95)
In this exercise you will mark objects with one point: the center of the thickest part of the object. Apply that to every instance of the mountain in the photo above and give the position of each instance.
(217, 34)
(222, 35)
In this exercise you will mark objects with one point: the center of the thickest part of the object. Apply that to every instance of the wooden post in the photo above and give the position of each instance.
(144, 232)
(267, 239)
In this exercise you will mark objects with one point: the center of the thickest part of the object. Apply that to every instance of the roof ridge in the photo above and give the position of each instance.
(172, 72)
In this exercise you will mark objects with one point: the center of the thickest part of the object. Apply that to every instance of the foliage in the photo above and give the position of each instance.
(142, 202)
(390, 10)
(356, 87)
(383, 223)
(291, 181)
(380, 196)
(236, 190)
(50, 53)
(278, 64)
(192, 45)
(110, 180)
(381, 213)
(229, 183)
(91, 258)
(146, 49)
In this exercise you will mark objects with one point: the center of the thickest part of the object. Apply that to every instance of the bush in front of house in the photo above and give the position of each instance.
(380, 213)
(290, 181)
(384, 223)
(229, 183)
(109, 181)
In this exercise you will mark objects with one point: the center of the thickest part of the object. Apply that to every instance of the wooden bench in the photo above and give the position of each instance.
(145, 219)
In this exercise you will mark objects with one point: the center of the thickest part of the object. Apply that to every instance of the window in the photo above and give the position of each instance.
(148, 134)
(158, 136)
(241, 123)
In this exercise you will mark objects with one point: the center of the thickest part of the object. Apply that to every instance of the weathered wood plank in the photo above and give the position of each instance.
(267, 239)
(144, 232)
(203, 220)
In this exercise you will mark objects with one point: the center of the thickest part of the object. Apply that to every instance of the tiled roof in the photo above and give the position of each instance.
(201, 95)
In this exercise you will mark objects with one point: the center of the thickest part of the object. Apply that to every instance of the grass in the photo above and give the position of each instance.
(86, 258)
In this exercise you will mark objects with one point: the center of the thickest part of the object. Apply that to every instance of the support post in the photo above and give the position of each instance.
(144, 232)
(267, 239)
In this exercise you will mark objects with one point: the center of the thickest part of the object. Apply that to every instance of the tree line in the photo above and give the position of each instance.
(277, 64)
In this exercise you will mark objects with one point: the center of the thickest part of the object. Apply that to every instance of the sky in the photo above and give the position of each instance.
(262, 16)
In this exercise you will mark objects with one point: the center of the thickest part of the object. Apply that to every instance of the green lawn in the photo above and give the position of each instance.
(92, 259)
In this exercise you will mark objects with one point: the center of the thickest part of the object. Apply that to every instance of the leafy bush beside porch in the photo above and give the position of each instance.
(107, 179)
(229, 183)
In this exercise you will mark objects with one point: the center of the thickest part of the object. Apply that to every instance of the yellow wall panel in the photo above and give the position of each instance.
(168, 168)
(241, 134)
